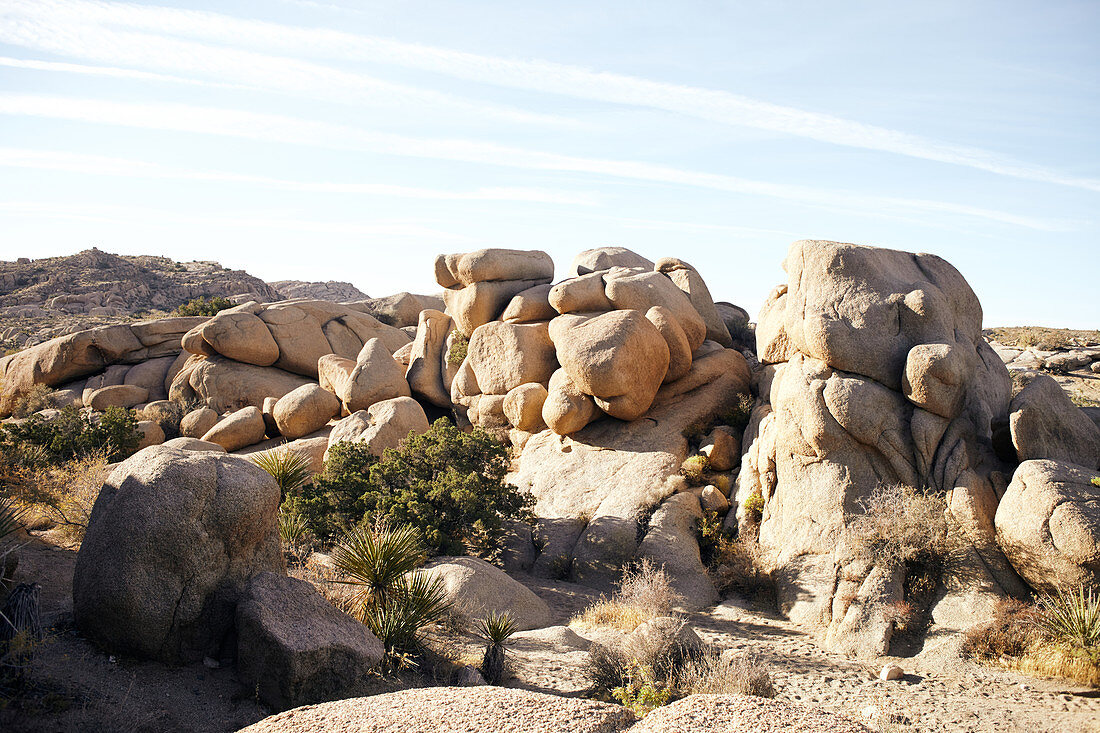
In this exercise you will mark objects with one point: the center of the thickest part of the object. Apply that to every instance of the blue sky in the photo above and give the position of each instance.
(356, 140)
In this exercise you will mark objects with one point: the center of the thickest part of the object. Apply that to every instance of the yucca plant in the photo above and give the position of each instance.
(11, 516)
(1072, 618)
(290, 469)
(495, 630)
(294, 533)
(393, 600)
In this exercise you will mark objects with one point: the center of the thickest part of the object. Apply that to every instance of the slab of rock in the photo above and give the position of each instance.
(530, 306)
(400, 309)
(743, 714)
(150, 375)
(671, 543)
(295, 648)
(583, 294)
(604, 258)
(679, 351)
(223, 385)
(172, 539)
(722, 449)
(492, 265)
(1048, 524)
(238, 334)
(111, 376)
(1044, 423)
(477, 588)
(619, 358)
(151, 434)
(427, 358)
(482, 302)
(241, 429)
(642, 291)
(305, 410)
(119, 395)
(453, 709)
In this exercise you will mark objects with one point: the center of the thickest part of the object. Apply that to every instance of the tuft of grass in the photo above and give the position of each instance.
(609, 612)
(1072, 619)
(291, 470)
(738, 416)
(899, 524)
(11, 516)
(715, 674)
(38, 398)
(495, 630)
(694, 469)
(1096, 481)
(645, 592)
(295, 535)
(753, 506)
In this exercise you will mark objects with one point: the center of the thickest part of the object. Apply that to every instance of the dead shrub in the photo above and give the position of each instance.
(645, 592)
(899, 524)
(657, 657)
(724, 674)
(62, 495)
(738, 567)
(38, 398)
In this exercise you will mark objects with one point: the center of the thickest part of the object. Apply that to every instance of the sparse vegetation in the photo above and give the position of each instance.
(738, 416)
(899, 524)
(460, 343)
(31, 402)
(294, 533)
(1046, 339)
(753, 506)
(291, 470)
(726, 674)
(645, 592)
(202, 307)
(447, 484)
(69, 435)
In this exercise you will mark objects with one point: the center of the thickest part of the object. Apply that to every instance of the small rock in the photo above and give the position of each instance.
(891, 672)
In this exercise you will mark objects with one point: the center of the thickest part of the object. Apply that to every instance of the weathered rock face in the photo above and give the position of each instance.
(294, 648)
(1044, 423)
(428, 357)
(481, 284)
(604, 258)
(171, 542)
(290, 335)
(881, 376)
(383, 425)
(67, 358)
(476, 589)
(222, 384)
(305, 410)
(398, 310)
(1048, 524)
(611, 473)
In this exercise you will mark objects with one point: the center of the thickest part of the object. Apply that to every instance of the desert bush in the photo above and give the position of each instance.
(738, 416)
(738, 567)
(753, 506)
(694, 469)
(61, 494)
(641, 693)
(202, 307)
(645, 592)
(1096, 481)
(460, 344)
(716, 674)
(291, 470)
(447, 484)
(38, 398)
(1010, 634)
(392, 599)
(294, 534)
(899, 524)
(71, 434)
(709, 533)
(495, 630)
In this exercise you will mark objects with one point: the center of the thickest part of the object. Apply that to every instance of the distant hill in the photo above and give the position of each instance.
(51, 296)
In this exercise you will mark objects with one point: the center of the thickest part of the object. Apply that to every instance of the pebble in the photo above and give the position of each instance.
(891, 672)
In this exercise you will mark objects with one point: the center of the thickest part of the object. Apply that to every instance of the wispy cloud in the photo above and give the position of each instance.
(127, 215)
(112, 166)
(547, 77)
(282, 129)
(219, 66)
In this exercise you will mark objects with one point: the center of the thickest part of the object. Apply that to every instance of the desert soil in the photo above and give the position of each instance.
(77, 687)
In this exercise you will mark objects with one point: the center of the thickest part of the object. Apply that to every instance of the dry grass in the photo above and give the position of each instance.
(898, 524)
(328, 582)
(1046, 339)
(714, 674)
(61, 496)
(694, 469)
(645, 593)
(38, 398)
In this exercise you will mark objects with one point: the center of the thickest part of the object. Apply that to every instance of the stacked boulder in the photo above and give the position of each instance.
(595, 379)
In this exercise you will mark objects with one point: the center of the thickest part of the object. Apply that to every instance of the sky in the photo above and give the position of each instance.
(341, 140)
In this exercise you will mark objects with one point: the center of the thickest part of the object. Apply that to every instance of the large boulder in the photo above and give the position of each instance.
(523, 406)
(427, 358)
(241, 429)
(688, 279)
(486, 265)
(305, 410)
(400, 309)
(879, 376)
(619, 358)
(476, 589)
(670, 543)
(604, 258)
(477, 304)
(1048, 524)
(450, 710)
(119, 395)
(80, 354)
(295, 648)
(197, 423)
(529, 306)
(597, 483)
(238, 334)
(150, 375)
(383, 425)
(643, 290)
(1044, 423)
(567, 408)
(172, 540)
(222, 384)
(506, 355)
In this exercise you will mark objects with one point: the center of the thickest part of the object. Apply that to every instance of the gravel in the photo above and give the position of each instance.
(737, 713)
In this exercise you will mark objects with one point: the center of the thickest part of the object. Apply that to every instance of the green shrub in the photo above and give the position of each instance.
(694, 468)
(447, 484)
(738, 416)
(71, 434)
(1096, 481)
(394, 600)
(753, 505)
(202, 307)
(1073, 619)
(641, 693)
(460, 344)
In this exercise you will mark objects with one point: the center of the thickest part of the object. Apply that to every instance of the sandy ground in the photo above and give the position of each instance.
(77, 687)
